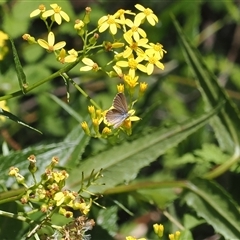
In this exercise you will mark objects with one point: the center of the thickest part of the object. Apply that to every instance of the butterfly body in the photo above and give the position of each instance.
(119, 113)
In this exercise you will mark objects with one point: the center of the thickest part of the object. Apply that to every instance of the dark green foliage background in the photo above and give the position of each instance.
(165, 166)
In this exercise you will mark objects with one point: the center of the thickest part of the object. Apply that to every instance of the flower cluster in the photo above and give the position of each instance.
(131, 53)
(158, 230)
(50, 192)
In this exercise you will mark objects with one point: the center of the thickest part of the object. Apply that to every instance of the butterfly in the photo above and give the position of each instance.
(119, 113)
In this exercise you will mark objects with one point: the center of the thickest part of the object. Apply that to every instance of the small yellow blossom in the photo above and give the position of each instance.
(4, 107)
(110, 22)
(79, 24)
(56, 13)
(85, 128)
(146, 13)
(133, 238)
(121, 14)
(155, 49)
(41, 9)
(171, 236)
(177, 235)
(3, 38)
(142, 87)
(133, 65)
(90, 65)
(120, 88)
(3, 45)
(132, 82)
(91, 110)
(64, 212)
(95, 122)
(59, 197)
(134, 46)
(49, 45)
(153, 61)
(13, 171)
(29, 38)
(106, 131)
(72, 57)
(135, 30)
(110, 46)
(158, 229)
(118, 70)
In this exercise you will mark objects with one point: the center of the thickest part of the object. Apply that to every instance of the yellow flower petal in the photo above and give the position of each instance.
(43, 43)
(85, 68)
(59, 45)
(51, 39)
(65, 16)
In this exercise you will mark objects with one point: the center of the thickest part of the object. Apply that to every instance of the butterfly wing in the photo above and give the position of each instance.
(115, 117)
(119, 113)
(120, 103)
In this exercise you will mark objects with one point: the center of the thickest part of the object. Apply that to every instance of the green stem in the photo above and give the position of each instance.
(65, 76)
(145, 185)
(67, 68)
(224, 167)
(15, 216)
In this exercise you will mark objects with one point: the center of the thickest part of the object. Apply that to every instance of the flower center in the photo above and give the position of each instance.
(57, 9)
(147, 11)
(132, 63)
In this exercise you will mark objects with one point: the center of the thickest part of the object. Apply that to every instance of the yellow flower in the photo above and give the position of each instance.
(56, 13)
(131, 81)
(158, 229)
(135, 30)
(118, 70)
(133, 65)
(133, 238)
(28, 38)
(110, 22)
(49, 45)
(13, 171)
(41, 9)
(79, 24)
(143, 87)
(146, 13)
(3, 38)
(120, 88)
(155, 49)
(153, 61)
(4, 107)
(120, 14)
(72, 57)
(106, 131)
(134, 45)
(90, 65)
(3, 45)
(85, 128)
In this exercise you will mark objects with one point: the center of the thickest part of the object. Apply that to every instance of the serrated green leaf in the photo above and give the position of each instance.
(107, 219)
(215, 205)
(16, 119)
(64, 150)
(122, 163)
(226, 124)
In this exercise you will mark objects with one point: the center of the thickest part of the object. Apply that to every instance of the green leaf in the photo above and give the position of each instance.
(20, 73)
(16, 119)
(122, 163)
(67, 151)
(215, 205)
(66, 107)
(226, 124)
